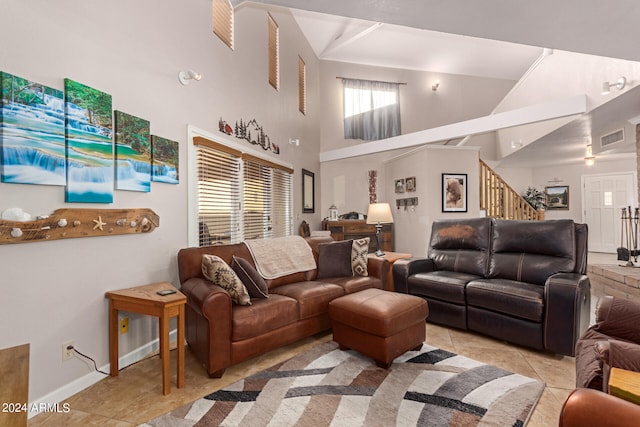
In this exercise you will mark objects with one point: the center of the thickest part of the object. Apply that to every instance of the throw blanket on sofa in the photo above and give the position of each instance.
(280, 256)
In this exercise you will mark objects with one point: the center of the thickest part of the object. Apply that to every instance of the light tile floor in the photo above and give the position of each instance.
(135, 396)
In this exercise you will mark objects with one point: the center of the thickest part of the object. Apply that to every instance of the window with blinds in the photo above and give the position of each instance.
(274, 53)
(241, 196)
(223, 21)
(302, 86)
(219, 196)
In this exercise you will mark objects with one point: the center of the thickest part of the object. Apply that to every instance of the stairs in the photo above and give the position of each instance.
(499, 200)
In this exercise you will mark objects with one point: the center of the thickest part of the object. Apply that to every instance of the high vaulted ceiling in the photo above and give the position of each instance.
(488, 38)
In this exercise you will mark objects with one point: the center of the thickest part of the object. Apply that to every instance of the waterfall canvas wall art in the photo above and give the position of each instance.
(133, 153)
(31, 132)
(164, 158)
(89, 144)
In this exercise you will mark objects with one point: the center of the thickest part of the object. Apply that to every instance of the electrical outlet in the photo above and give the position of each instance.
(66, 352)
(124, 325)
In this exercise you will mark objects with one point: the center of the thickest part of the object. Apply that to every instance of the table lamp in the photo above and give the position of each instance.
(378, 214)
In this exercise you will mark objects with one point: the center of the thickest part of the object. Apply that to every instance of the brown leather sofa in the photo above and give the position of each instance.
(520, 281)
(613, 342)
(222, 334)
(585, 407)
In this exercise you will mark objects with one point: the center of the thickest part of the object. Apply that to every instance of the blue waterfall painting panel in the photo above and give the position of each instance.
(89, 130)
(164, 158)
(133, 153)
(31, 132)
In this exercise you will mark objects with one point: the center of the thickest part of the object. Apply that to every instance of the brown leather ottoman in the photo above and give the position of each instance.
(380, 324)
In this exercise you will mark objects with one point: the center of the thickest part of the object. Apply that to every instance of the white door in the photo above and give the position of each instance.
(604, 198)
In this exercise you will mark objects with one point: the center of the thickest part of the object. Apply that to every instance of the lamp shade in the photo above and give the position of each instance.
(379, 213)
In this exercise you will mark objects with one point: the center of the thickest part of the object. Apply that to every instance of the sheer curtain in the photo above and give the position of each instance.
(371, 109)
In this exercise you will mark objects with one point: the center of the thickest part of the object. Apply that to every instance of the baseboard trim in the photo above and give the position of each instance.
(51, 401)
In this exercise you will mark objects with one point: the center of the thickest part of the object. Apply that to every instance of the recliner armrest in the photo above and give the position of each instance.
(587, 407)
(568, 307)
(403, 268)
(618, 317)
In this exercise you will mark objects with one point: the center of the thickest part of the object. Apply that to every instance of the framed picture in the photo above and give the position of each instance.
(308, 191)
(164, 160)
(400, 185)
(410, 183)
(557, 197)
(454, 192)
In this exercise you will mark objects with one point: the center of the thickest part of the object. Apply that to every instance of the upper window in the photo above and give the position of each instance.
(274, 53)
(302, 86)
(223, 21)
(371, 109)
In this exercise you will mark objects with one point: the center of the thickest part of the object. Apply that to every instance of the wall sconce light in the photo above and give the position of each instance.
(619, 84)
(589, 158)
(186, 76)
(294, 141)
(435, 86)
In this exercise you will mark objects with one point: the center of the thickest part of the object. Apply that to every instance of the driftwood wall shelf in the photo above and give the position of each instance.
(72, 223)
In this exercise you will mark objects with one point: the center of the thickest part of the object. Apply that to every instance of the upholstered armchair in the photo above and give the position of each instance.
(613, 342)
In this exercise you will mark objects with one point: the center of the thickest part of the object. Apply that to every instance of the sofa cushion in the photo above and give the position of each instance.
(461, 246)
(442, 285)
(221, 274)
(359, 251)
(334, 259)
(517, 299)
(313, 297)
(251, 279)
(531, 251)
(262, 316)
(355, 283)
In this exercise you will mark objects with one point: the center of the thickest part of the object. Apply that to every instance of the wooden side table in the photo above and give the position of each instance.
(625, 385)
(392, 257)
(145, 300)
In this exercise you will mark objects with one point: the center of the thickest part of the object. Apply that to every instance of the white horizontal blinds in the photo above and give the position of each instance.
(274, 53)
(223, 21)
(282, 202)
(302, 86)
(219, 178)
(257, 200)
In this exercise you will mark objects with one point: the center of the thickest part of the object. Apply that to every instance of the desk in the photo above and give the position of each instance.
(144, 300)
(625, 385)
(391, 257)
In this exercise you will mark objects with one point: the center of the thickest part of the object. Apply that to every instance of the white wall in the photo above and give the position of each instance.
(54, 291)
(412, 227)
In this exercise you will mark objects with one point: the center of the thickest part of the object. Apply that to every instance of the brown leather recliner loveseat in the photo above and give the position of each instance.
(520, 281)
(221, 333)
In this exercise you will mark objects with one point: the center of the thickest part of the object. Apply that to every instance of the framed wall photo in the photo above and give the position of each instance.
(557, 197)
(400, 185)
(410, 183)
(308, 191)
(454, 192)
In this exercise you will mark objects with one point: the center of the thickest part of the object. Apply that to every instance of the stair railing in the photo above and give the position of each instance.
(499, 200)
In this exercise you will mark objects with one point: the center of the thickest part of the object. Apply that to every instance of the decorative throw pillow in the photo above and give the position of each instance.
(252, 280)
(215, 269)
(359, 251)
(334, 259)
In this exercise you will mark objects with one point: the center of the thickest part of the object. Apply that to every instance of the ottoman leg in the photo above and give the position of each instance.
(418, 347)
(343, 347)
(384, 365)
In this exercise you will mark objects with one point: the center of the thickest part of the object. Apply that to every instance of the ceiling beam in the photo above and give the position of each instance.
(345, 39)
(535, 113)
(586, 26)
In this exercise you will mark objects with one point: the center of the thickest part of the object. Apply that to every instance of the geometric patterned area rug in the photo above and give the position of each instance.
(325, 386)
